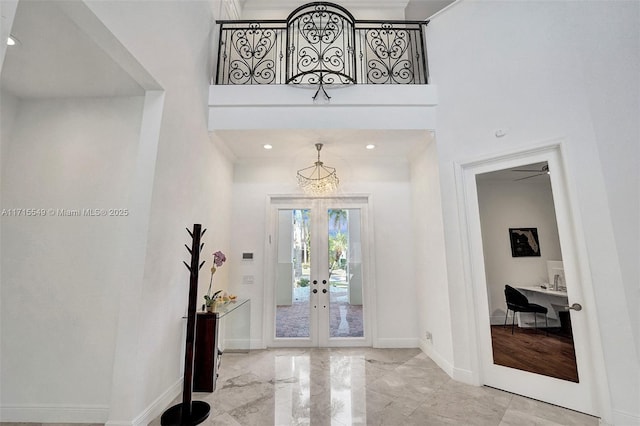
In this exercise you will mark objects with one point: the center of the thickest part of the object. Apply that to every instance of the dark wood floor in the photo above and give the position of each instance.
(534, 351)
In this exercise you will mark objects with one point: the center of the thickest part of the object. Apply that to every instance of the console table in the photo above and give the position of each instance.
(210, 337)
(551, 299)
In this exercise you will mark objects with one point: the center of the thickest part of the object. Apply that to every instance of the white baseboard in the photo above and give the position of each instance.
(258, 344)
(397, 343)
(457, 374)
(54, 413)
(254, 344)
(237, 344)
(428, 349)
(161, 403)
(464, 376)
(499, 320)
(153, 410)
(626, 419)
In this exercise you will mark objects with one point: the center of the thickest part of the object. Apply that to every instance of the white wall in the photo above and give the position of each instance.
(390, 193)
(530, 67)
(7, 14)
(59, 287)
(615, 107)
(192, 184)
(433, 312)
(129, 347)
(8, 110)
(509, 204)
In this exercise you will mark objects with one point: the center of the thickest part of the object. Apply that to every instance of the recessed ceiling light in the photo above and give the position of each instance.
(267, 146)
(370, 146)
(12, 41)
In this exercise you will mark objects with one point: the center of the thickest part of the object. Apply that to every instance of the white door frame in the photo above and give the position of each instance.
(276, 202)
(591, 394)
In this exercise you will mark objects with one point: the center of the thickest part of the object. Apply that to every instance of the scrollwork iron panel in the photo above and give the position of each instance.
(320, 39)
(392, 54)
(251, 53)
(321, 43)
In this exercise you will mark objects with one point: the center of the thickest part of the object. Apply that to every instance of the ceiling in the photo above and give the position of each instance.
(55, 58)
(418, 10)
(415, 10)
(530, 173)
(293, 144)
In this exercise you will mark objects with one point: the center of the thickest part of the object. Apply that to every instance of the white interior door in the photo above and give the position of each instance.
(316, 287)
(581, 394)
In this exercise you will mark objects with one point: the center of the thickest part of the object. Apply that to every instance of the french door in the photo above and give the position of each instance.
(316, 285)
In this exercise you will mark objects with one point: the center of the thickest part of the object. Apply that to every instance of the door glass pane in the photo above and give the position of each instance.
(526, 286)
(345, 274)
(292, 273)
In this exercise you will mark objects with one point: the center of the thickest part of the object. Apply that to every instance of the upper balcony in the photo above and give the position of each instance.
(321, 43)
(320, 46)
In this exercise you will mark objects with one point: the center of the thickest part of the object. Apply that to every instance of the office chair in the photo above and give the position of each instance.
(518, 302)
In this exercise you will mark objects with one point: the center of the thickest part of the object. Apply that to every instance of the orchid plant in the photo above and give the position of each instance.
(218, 260)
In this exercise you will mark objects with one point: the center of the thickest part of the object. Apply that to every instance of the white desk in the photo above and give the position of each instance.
(550, 299)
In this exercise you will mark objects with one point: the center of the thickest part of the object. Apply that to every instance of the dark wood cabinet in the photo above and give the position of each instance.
(206, 356)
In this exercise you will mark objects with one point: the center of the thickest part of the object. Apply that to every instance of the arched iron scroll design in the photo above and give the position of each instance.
(320, 43)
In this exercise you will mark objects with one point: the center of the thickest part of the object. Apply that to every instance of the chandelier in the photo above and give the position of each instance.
(318, 179)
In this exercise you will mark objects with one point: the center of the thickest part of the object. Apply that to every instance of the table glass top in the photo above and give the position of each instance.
(225, 308)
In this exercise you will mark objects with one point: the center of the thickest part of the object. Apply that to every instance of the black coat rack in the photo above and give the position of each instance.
(190, 412)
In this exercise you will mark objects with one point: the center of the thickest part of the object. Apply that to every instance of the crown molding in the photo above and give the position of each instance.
(348, 4)
(233, 9)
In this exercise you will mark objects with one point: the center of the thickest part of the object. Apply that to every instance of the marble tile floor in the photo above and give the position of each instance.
(362, 386)
(359, 386)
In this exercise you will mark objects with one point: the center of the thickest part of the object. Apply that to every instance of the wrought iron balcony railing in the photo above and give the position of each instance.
(321, 44)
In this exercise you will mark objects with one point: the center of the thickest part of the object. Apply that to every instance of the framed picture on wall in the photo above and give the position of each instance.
(524, 242)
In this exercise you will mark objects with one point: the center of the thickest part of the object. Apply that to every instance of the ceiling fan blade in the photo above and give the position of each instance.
(529, 177)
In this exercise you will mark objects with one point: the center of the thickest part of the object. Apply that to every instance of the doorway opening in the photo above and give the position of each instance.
(522, 241)
(318, 284)
(525, 280)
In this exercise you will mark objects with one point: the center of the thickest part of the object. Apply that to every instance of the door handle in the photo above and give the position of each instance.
(315, 290)
(575, 307)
